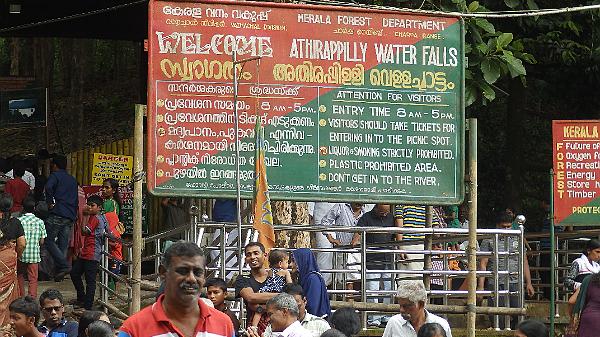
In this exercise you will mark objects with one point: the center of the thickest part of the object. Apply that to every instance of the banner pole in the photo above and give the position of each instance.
(552, 257)
(138, 168)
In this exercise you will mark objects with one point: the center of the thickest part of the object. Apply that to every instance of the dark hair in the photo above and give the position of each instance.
(255, 244)
(51, 294)
(346, 320)
(29, 204)
(293, 289)
(26, 306)
(333, 333)
(276, 256)
(216, 282)
(431, 330)
(6, 202)
(591, 245)
(95, 199)
(86, 318)
(533, 328)
(60, 161)
(504, 217)
(19, 168)
(114, 184)
(181, 248)
(100, 329)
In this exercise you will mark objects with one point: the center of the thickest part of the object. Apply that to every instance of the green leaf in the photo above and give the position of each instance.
(473, 6)
(468, 74)
(503, 40)
(483, 48)
(532, 5)
(470, 94)
(468, 48)
(491, 44)
(488, 91)
(515, 66)
(517, 45)
(512, 3)
(490, 69)
(485, 25)
(526, 57)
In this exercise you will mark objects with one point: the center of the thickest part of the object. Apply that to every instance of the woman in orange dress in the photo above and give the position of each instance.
(12, 244)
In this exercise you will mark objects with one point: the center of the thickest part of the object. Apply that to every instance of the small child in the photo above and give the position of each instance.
(112, 208)
(278, 276)
(451, 217)
(216, 292)
(97, 227)
(35, 232)
(24, 314)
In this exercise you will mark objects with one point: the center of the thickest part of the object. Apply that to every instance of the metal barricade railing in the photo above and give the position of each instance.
(569, 246)
(224, 258)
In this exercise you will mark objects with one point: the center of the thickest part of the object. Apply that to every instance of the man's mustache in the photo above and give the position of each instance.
(189, 285)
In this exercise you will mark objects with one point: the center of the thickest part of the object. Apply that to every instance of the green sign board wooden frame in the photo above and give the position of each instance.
(357, 104)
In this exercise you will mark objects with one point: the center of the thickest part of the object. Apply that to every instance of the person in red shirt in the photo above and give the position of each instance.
(179, 311)
(88, 259)
(17, 188)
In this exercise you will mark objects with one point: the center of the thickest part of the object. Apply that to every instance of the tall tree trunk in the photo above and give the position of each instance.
(14, 46)
(515, 139)
(288, 213)
(82, 53)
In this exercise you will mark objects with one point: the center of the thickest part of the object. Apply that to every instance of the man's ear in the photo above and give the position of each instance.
(162, 271)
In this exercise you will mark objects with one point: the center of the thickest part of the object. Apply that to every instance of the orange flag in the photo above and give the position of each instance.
(263, 217)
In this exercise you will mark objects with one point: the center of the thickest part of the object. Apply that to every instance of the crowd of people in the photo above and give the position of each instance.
(71, 228)
(54, 231)
(25, 313)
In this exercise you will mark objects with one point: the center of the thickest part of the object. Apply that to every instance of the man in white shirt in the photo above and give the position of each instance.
(283, 311)
(316, 211)
(27, 177)
(315, 325)
(412, 298)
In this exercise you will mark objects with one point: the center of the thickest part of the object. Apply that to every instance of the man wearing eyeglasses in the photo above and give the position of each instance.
(54, 324)
(412, 298)
(179, 311)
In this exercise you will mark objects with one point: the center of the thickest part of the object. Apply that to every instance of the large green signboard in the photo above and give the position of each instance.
(357, 105)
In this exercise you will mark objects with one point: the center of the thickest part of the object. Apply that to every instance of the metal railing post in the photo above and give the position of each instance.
(223, 260)
(523, 254)
(104, 274)
(130, 277)
(495, 277)
(363, 275)
(506, 278)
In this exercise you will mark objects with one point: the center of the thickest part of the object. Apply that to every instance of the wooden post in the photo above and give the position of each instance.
(138, 167)
(472, 249)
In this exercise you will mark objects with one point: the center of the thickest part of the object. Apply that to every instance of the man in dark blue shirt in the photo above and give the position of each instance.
(54, 324)
(379, 216)
(61, 196)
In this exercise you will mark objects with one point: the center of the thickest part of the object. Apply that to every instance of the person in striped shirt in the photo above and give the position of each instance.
(35, 233)
(410, 216)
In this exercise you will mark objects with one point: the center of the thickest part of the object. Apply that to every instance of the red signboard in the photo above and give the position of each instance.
(576, 152)
(357, 103)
